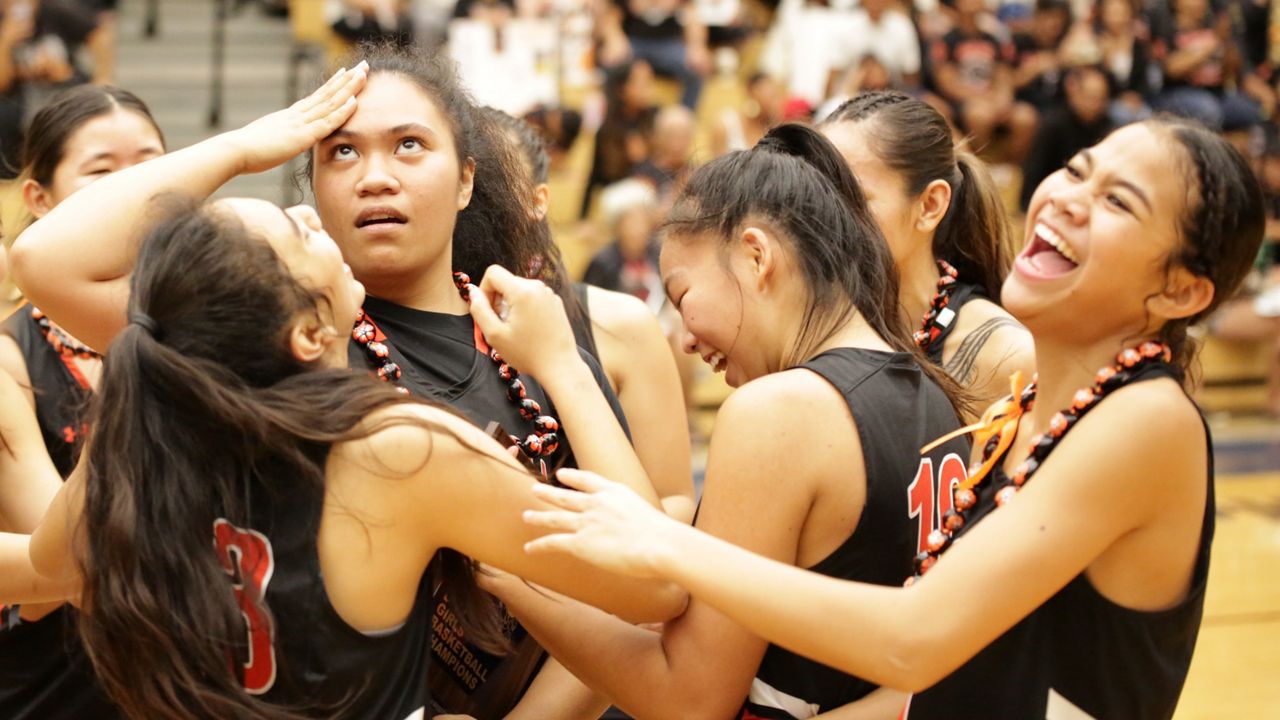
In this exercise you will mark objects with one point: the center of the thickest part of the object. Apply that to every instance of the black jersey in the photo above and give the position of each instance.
(1080, 655)
(61, 392)
(44, 673)
(961, 293)
(302, 653)
(583, 332)
(897, 410)
(438, 359)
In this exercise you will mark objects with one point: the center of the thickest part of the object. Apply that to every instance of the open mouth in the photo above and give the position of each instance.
(716, 361)
(380, 217)
(1048, 254)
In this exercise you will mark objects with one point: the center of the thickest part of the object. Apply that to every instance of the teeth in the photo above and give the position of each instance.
(716, 361)
(1049, 235)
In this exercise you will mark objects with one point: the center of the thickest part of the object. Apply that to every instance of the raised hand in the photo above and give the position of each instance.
(603, 523)
(533, 333)
(276, 138)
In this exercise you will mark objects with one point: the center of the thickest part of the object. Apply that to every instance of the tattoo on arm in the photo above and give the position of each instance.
(963, 365)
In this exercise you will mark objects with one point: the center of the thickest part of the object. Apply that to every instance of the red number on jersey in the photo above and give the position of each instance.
(246, 555)
(929, 501)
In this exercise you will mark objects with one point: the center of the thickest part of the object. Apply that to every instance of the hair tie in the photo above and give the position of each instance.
(144, 321)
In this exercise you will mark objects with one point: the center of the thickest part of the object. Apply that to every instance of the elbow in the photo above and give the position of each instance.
(20, 260)
(913, 663)
(665, 602)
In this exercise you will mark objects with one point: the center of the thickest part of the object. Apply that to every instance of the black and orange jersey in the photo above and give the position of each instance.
(1080, 655)
(897, 410)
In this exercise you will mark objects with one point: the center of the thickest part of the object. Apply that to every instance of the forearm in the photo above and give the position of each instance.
(91, 238)
(881, 704)
(625, 663)
(19, 581)
(557, 695)
(599, 444)
(877, 641)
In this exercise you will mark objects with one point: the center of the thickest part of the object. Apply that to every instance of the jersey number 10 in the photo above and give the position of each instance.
(929, 495)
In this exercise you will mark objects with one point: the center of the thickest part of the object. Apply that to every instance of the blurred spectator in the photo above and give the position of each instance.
(1038, 66)
(809, 41)
(1124, 50)
(629, 264)
(666, 34)
(741, 128)
(1202, 68)
(972, 72)
(40, 41)
(559, 128)
(1077, 122)
(622, 141)
(865, 76)
(375, 21)
(670, 154)
(881, 30)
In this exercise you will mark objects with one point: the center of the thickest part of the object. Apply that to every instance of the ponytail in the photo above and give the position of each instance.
(915, 141)
(202, 397)
(797, 180)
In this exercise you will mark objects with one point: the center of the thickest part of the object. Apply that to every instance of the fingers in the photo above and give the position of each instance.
(553, 520)
(483, 314)
(561, 498)
(587, 482)
(499, 280)
(335, 95)
(547, 544)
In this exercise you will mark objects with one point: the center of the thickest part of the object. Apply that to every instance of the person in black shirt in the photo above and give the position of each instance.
(1083, 594)
(1080, 121)
(82, 134)
(40, 43)
(789, 289)
(935, 202)
(246, 496)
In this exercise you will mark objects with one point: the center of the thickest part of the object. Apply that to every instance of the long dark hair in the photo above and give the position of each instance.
(915, 141)
(547, 264)
(796, 180)
(202, 397)
(496, 227)
(1222, 224)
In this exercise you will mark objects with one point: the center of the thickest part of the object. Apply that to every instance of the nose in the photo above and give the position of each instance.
(1072, 201)
(376, 177)
(688, 342)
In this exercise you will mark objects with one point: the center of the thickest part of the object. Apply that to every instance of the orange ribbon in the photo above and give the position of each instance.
(1001, 419)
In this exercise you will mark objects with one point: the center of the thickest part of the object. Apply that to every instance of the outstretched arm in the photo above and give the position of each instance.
(75, 262)
(1077, 507)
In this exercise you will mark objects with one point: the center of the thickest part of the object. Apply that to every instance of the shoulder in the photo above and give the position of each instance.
(989, 346)
(403, 439)
(620, 313)
(1149, 433)
(797, 403)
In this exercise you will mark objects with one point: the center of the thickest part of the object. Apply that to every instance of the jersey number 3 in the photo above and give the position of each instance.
(246, 555)
(929, 495)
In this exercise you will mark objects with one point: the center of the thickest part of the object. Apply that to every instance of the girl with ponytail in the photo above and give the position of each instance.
(786, 285)
(1069, 579)
(253, 522)
(946, 226)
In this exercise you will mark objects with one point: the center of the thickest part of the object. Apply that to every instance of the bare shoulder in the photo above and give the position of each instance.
(404, 438)
(622, 314)
(12, 360)
(988, 346)
(797, 399)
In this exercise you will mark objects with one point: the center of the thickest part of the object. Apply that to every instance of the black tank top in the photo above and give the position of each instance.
(898, 410)
(438, 359)
(44, 673)
(961, 293)
(581, 322)
(1080, 652)
(61, 393)
(304, 655)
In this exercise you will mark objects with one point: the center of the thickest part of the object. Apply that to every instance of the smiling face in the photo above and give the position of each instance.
(1100, 233)
(106, 144)
(313, 259)
(389, 186)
